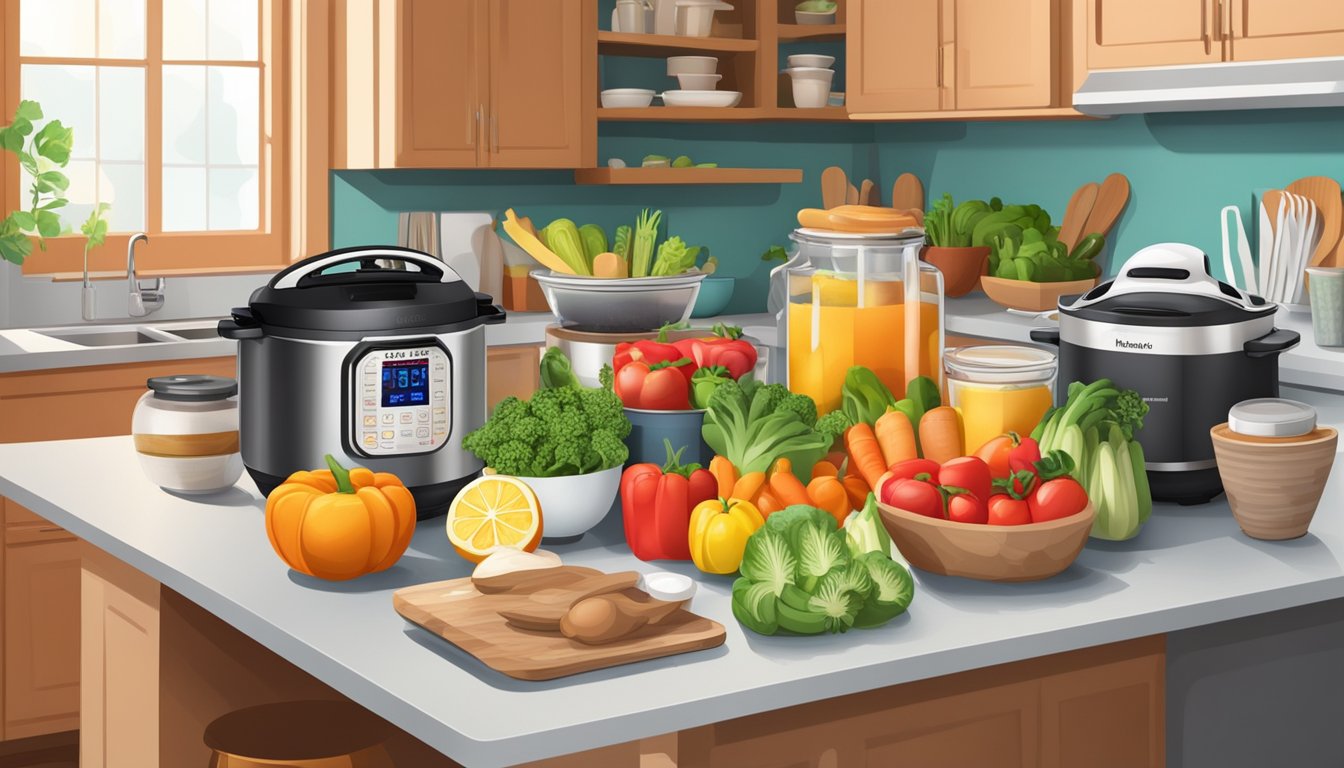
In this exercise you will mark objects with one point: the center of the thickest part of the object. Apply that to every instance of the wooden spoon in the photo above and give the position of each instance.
(852, 195)
(833, 187)
(1325, 193)
(868, 193)
(907, 192)
(1111, 199)
(1080, 207)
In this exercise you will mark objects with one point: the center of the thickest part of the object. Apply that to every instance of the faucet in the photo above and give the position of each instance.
(143, 300)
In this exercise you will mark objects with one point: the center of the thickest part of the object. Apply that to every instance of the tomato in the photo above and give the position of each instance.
(916, 496)
(1027, 452)
(969, 472)
(1053, 499)
(912, 467)
(995, 453)
(1005, 510)
(660, 387)
(967, 508)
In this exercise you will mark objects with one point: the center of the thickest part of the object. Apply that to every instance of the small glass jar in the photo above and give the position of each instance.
(186, 433)
(999, 388)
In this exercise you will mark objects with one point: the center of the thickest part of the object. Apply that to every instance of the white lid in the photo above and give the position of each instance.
(1001, 363)
(665, 585)
(1271, 417)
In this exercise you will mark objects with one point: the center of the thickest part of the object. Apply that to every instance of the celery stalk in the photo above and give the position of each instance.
(646, 236)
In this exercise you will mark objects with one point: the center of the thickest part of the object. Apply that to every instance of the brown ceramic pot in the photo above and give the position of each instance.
(961, 267)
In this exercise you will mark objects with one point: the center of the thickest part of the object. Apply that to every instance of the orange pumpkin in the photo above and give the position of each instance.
(340, 524)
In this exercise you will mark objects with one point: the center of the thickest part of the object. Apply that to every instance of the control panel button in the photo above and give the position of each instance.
(388, 418)
(370, 421)
(370, 439)
(405, 417)
(388, 434)
(370, 403)
(407, 433)
(387, 445)
(422, 432)
(422, 415)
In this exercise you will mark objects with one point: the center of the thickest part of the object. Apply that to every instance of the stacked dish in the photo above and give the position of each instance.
(698, 79)
(812, 76)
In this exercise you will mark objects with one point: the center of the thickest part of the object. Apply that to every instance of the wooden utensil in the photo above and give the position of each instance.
(1075, 216)
(834, 186)
(907, 192)
(852, 195)
(1112, 196)
(456, 611)
(1325, 193)
(868, 193)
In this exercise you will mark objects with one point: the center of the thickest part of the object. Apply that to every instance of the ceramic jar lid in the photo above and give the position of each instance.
(192, 388)
(1271, 417)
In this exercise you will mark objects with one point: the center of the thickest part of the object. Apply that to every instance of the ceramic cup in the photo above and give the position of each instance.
(1327, 305)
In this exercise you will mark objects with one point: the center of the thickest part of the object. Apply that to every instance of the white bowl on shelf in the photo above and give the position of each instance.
(811, 86)
(812, 17)
(689, 82)
(691, 65)
(702, 98)
(810, 60)
(695, 18)
(626, 97)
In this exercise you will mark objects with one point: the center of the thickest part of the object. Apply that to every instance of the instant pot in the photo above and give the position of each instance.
(1190, 345)
(382, 365)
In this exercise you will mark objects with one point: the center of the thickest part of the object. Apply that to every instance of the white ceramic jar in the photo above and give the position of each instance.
(186, 433)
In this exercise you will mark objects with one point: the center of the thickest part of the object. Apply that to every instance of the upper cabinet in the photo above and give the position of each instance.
(1142, 33)
(1005, 53)
(465, 84)
(1285, 29)
(895, 56)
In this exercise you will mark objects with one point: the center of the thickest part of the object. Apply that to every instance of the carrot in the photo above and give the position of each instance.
(940, 434)
(726, 474)
(828, 494)
(789, 490)
(856, 489)
(767, 504)
(864, 454)
(748, 487)
(896, 437)
(825, 468)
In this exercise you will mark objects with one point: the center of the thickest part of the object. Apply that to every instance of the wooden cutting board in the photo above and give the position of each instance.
(456, 611)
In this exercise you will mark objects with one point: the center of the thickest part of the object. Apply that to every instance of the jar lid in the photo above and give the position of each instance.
(1271, 417)
(1000, 362)
(192, 388)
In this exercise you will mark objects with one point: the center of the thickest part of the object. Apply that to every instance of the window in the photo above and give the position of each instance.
(177, 118)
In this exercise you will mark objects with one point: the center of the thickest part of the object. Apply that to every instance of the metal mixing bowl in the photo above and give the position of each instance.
(630, 304)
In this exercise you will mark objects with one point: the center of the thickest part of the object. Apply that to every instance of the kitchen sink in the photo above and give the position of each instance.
(194, 333)
(105, 338)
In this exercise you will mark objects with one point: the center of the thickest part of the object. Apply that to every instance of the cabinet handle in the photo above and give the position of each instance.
(1204, 32)
(941, 56)
(494, 134)
(1227, 15)
(51, 529)
(1218, 20)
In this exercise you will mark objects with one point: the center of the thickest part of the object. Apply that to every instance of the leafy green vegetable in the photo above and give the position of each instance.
(863, 396)
(562, 237)
(952, 226)
(754, 606)
(864, 531)
(682, 161)
(893, 589)
(921, 396)
(607, 377)
(753, 425)
(621, 245)
(775, 253)
(819, 549)
(769, 559)
(646, 235)
(704, 381)
(674, 257)
(556, 370)
(594, 241)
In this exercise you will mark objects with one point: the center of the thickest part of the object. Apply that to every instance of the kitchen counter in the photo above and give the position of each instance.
(1189, 567)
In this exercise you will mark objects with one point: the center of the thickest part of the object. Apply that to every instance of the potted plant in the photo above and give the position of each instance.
(952, 246)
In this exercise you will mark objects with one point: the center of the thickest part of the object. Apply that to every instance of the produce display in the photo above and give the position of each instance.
(632, 251)
(664, 375)
(1023, 244)
(966, 490)
(753, 425)
(657, 502)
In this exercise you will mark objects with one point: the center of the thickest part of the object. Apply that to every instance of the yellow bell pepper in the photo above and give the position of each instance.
(719, 532)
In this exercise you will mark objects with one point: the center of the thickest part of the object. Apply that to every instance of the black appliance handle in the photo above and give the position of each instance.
(241, 325)
(1275, 342)
(309, 271)
(1045, 336)
(489, 312)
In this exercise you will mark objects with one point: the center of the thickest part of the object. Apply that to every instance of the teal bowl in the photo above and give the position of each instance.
(650, 428)
(715, 293)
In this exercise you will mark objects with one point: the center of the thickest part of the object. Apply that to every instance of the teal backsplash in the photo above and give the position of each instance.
(1183, 169)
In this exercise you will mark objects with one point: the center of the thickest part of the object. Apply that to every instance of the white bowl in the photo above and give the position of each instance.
(627, 97)
(811, 17)
(695, 18)
(691, 65)
(811, 86)
(698, 82)
(572, 505)
(702, 98)
(810, 60)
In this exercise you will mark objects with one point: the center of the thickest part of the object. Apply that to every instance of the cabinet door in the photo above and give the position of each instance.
(42, 566)
(440, 83)
(538, 53)
(1146, 33)
(1106, 715)
(1005, 53)
(1286, 29)
(894, 56)
(511, 372)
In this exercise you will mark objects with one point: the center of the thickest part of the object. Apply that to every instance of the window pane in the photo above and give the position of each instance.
(233, 198)
(184, 115)
(66, 94)
(83, 175)
(233, 30)
(121, 113)
(56, 28)
(184, 29)
(121, 29)
(183, 199)
(233, 115)
(123, 187)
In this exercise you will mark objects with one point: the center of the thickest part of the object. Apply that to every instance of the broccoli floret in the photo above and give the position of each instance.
(607, 450)
(1128, 410)
(568, 432)
(767, 399)
(804, 407)
(604, 410)
(561, 431)
(607, 377)
(833, 425)
(511, 457)
(550, 404)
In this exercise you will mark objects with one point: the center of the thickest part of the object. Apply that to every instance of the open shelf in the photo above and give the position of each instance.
(687, 176)
(696, 114)
(1056, 113)
(660, 46)
(811, 31)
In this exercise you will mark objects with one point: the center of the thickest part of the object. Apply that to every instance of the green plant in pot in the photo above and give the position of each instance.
(953, 246)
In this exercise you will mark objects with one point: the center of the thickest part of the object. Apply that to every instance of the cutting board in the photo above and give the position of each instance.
(457, 612)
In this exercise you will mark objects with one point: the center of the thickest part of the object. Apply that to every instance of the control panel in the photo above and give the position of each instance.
(402, 397)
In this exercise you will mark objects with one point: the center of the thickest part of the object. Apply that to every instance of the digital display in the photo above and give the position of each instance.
(405, 382)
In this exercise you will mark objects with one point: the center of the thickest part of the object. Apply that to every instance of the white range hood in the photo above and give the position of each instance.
(1208, 87)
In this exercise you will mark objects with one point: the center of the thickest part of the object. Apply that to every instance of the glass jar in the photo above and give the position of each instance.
(185, 430)
(999, 388)
(861, 300)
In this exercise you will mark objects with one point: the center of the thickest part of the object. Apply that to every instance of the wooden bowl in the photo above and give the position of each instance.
(1029, 296)
(988, 552)
(961, 267)
(1273, 484)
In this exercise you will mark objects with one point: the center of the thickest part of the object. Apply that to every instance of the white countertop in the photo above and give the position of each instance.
(1189, 567)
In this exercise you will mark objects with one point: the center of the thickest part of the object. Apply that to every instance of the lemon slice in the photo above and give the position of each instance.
(493, 512)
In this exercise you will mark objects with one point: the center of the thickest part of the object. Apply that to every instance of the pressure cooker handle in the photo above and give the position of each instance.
(430, 266)
(1275, 342)
(1045, 336)
(488, 311)
(242, 325)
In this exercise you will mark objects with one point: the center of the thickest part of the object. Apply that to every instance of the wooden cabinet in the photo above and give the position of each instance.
(1143, 33)
(1285, 29)
(894, 56)
(1105, 715)
(511, 372)
(465, 84)
(1005, 55)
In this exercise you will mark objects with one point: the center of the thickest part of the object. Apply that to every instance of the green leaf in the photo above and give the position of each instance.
(48, 224)
(21, 126)
(51, 181)
(54, 142)
(59, 202)
(12, 141)
(95, 227)
(24, 220)
(28, 162)
(28, 110)
(15, 248)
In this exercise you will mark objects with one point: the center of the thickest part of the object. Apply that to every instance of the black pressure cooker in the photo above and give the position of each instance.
(1190, 345)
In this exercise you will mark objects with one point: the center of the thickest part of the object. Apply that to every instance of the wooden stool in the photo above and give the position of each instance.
(298, 734)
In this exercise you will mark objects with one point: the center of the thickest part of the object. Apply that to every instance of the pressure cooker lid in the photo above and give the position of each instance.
(192, 388)
(366, 289)
(1167, 285)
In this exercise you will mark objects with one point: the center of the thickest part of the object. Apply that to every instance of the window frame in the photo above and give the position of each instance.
(172, 252)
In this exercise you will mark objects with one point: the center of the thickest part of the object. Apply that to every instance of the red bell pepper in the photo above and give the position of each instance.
(726, 348)
(657, 387)
(656, 504)
(646, 351)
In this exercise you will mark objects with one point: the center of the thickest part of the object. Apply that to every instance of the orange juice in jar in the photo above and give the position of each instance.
(999, 388)
(851, 304)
